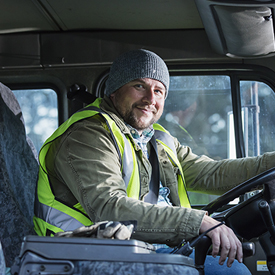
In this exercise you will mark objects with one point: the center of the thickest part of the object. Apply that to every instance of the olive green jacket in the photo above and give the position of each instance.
(84, 167)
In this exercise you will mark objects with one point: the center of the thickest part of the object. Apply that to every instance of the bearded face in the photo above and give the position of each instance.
(140, 102)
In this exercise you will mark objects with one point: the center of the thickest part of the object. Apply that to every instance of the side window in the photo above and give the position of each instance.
(196, 112)
(40, 112)
(258, 101)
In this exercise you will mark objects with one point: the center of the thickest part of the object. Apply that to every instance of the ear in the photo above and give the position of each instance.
(112, 97)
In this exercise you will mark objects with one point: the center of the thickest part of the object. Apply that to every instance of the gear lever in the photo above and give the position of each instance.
(267, 217)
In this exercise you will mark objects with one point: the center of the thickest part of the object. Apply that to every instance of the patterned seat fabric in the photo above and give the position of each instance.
(18, 175)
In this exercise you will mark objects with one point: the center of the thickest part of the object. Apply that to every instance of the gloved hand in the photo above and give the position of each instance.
(115, 230)
(103, 230)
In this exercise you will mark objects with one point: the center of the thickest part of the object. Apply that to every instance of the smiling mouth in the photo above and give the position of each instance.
(146, 110)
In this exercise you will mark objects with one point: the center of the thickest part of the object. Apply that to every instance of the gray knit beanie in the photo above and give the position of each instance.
(136, 64)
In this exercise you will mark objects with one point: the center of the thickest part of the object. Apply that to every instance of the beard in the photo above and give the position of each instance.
(137, 123)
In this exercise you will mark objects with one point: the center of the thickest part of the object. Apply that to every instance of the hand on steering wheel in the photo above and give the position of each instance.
(223, 237)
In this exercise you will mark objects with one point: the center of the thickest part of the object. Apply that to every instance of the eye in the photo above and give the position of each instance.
(139, 86)
(159, 92)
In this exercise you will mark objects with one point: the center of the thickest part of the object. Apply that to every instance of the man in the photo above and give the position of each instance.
(98, 165)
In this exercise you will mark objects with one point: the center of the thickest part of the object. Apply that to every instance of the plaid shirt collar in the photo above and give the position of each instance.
(142, 139)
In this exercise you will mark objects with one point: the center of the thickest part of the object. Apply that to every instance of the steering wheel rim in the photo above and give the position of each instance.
(265, 178)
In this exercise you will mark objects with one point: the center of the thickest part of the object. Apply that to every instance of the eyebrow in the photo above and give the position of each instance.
(157, 86)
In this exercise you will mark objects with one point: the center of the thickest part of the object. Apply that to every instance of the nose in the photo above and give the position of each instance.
(149, 97)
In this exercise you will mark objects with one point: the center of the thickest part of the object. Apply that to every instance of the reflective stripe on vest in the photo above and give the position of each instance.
(126, 160)
(55, 215)
(168, 144)
(60, 217)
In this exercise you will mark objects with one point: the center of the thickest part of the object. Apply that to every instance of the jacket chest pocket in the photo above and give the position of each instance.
(170, 172)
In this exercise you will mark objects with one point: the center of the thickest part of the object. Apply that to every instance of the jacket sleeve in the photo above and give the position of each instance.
(88, 163)
(205, 175)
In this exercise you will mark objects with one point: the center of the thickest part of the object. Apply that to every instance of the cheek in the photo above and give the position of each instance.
(160, 105)
(124, 106)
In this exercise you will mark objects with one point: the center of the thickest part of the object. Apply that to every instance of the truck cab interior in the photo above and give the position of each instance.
(55, 57)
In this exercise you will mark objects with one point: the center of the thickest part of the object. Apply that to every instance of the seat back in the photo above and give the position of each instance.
(18, 175)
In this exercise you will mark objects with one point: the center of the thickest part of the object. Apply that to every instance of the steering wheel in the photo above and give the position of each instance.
(246, 218)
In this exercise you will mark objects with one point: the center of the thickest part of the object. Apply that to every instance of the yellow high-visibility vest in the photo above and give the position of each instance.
(52, 216)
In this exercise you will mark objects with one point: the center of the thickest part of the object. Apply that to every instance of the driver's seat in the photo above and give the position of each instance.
(18, 174)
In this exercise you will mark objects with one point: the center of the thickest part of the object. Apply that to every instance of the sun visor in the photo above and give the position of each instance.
(239, 30)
